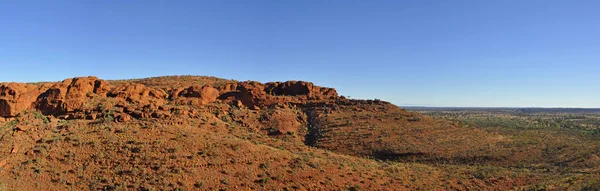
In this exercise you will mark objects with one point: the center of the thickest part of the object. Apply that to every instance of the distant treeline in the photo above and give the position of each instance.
(559, 110)
(507, 109)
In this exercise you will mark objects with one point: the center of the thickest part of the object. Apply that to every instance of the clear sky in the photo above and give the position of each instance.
(534, 53)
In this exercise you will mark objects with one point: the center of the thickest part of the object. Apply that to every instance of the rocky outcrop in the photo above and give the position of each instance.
(17, 97)
(299, 88)
(91, 98)
(256, 95)
(70, 95)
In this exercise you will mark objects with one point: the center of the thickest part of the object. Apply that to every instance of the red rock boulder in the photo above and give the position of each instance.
(252, 94)
(206, 93)
(70, 95)
(17, 97)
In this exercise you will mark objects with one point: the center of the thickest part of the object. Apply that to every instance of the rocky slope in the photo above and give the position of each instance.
(205, 133)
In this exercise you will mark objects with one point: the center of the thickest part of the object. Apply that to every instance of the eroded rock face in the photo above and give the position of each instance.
(299, 88)
(228, 88)
(5, 108)
(252, 94)
(207, 94)
(255, 95)
(328, 92)
(92, 98)
(69, 95)
(138, 94)
(101, 87)
(290, 88)
(17, 97)
(80, 87)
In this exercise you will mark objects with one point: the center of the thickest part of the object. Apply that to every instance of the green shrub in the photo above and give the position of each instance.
(10, 125)
(40, 115)
(3, 187)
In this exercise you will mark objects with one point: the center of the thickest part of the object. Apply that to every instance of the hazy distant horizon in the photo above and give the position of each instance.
(405, 106)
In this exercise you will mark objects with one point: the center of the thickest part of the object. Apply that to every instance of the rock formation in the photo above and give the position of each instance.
(90, 97)
(17, 97)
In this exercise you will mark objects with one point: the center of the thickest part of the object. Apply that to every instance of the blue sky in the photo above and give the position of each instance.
(432, 53)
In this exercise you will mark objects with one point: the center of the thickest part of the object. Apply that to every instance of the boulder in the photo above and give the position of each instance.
(70, 95)
(16, 98)
(80, 87)
(206, 93)
(252, 94)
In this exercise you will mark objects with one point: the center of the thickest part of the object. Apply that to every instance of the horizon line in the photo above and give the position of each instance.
(520, 107)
